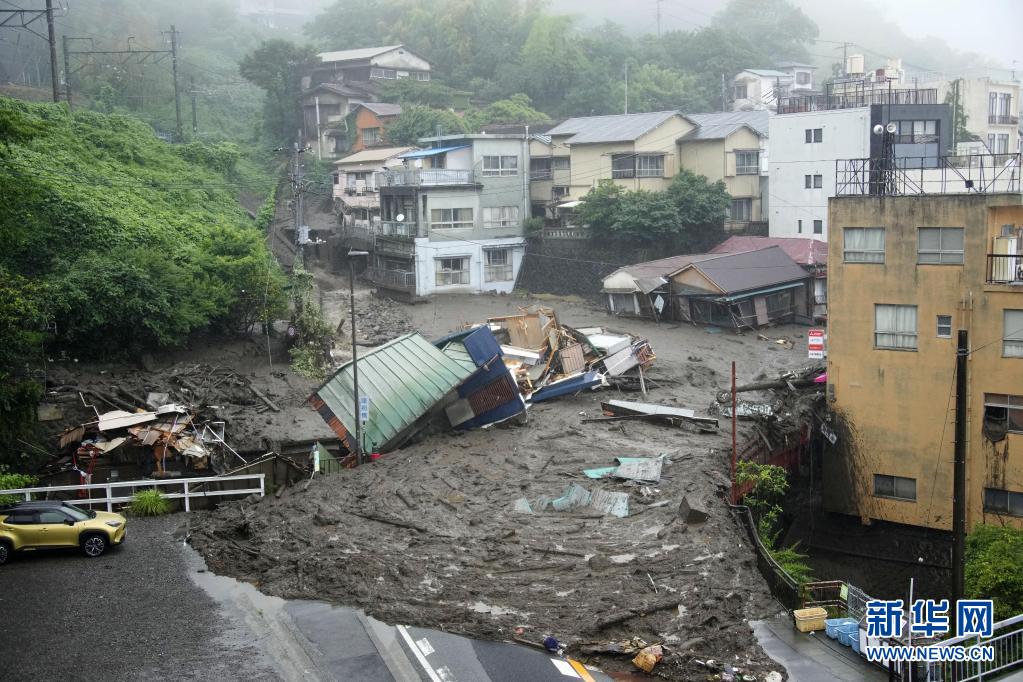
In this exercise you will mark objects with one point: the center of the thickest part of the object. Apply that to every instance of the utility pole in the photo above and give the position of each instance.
(959, 472)
(724, 94)
(174, 70)
(52, 40)
(845, 60)
(195, 121)
(67, 71)
(658, 2)
(626, 87)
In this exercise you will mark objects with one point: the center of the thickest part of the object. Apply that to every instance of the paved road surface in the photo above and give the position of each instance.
(150, 610)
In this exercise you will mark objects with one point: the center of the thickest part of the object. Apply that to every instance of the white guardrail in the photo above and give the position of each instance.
(185, 483)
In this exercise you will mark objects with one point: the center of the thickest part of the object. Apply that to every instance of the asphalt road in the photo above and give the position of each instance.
(149, 610)
(130, 614)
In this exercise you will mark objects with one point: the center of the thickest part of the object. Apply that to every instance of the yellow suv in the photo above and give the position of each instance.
(28, 526)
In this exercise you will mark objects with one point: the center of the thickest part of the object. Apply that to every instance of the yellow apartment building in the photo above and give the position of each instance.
(904, 274)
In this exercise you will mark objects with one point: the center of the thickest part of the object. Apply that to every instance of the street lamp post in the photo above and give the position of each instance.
(355, 357)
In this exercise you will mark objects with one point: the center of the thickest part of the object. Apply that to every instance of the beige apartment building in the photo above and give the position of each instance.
(905, 273)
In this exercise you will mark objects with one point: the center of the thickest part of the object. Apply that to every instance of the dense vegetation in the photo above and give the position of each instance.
(994, 555)
(115, 242)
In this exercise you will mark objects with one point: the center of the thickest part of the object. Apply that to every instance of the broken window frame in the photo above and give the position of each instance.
(896, 337)
(864, 252)
(1012, 506)
(894, 487)
(997, 404)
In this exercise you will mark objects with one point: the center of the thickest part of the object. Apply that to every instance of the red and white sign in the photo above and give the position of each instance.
(815, 343)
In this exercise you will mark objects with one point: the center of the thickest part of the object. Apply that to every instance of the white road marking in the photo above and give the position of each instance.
(424, 646)
(565, 668)
(419, 655)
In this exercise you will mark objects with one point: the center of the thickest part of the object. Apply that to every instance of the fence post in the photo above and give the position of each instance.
(28, 496)
(187, 506)
(110, 495)
(262, 483)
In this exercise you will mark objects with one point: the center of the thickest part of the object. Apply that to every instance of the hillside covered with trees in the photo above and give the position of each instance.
(116, 242)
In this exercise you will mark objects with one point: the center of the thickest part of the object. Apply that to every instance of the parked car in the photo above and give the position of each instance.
(29, 526)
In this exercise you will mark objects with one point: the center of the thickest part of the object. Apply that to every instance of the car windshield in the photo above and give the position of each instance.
(76, 513)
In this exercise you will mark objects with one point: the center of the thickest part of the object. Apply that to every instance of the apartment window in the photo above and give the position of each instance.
(452, 271)
(1000, 501)
(818, 181)
(818, 227)
(498, 266)
(916, 132)
(449, 218)
(1012, 334)
(799, 227)
(623, 165)
(741, 210)
(863, 244)
(992, 104)
(740, 91)
(390, 74)
(559, 191)
(540, 168)
(895, 487)
(1003, 413)
(650, 166)
(807, 181)
(814, 135)
(747, 163)
(895, 327)
(802, 78)
(501, 216)
(1003, 144)
(940, 245)
(371, 136)
(560, 162)
(500, 165)
(944, 326)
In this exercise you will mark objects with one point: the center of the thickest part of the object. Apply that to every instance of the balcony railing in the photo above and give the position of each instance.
(846, 96)
(426, 177)
(402, 280)
(1005, 268)
(1003, 120)
(392, 228)
(537, 175)
(914, 176)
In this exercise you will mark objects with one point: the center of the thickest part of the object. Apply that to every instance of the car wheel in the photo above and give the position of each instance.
(5, 553)
(94, 545)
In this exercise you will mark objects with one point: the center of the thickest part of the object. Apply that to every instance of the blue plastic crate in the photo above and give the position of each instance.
(831, 626)
(847, 632)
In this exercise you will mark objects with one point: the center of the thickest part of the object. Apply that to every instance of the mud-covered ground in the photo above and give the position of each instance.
(428, 535)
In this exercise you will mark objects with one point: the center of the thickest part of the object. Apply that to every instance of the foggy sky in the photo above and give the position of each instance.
(992, 28)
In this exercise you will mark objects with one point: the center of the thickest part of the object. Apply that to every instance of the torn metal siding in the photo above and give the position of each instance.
(490, 394)
(404, 379)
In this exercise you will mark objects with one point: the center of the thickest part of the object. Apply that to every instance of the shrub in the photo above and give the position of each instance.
(149, 503)
(993, 557)
(9, 480)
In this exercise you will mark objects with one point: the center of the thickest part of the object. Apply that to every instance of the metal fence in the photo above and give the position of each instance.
(419, 177)
(188, 487)
(1004, 268)
(395, 279)
(914, 176)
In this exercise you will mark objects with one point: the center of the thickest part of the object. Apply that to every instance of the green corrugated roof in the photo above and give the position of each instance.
(457, 352)
(403, 378)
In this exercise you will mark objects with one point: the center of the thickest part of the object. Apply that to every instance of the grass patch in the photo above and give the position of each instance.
(149, 503)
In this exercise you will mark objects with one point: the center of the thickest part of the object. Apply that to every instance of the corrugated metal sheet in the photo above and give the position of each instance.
(404, 379)
(614, 128)
(719, 125)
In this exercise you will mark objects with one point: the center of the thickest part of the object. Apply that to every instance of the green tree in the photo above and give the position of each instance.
(277, 66)
(708, 55)
(417, 121)
(959, 118)
(655, 88)
(637, 216)
(994, 555)
(701, 207)
(427, 93)
(780, 28)
(516, 109)
(550, 61)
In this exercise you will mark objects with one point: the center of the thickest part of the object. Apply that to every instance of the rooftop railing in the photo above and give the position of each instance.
(913, 176)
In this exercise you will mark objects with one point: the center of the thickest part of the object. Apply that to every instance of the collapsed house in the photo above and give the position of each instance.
(484, 374)
(743, 290)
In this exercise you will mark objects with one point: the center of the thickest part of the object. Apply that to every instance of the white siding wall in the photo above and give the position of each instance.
(427, 253)
(846, 135)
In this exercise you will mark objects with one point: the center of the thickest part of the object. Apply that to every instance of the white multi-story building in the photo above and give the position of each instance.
(451, 217)
(811, 133)
(754, 89)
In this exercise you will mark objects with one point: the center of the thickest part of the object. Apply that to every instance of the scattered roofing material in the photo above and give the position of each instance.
(805, 251)
(490, 394)
(613, 128)
(404, 379)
